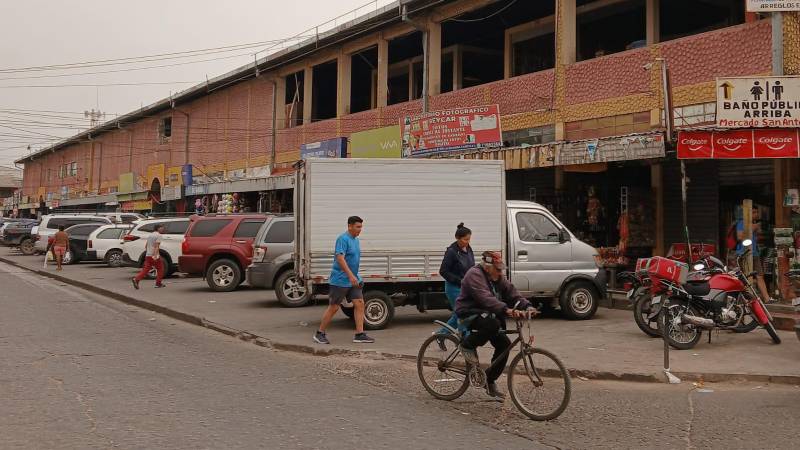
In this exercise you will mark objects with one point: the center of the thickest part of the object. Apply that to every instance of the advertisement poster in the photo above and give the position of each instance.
(378, 143)
(451, 130)
(739, 144)
(331, 148)
(763, 102)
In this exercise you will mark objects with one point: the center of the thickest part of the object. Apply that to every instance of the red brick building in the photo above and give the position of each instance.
(561, 71)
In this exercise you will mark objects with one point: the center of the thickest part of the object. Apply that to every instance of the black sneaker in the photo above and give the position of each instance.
(161, 285)
(321, 338)
(362, 338)
(494, 392)
(135, 283)
(470, 355)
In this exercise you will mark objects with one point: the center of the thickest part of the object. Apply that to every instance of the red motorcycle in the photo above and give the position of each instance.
(712, 298)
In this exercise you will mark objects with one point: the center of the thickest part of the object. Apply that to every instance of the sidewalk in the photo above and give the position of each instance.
(609, 346)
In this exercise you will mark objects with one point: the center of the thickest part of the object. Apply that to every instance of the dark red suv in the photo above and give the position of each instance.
(220, 247)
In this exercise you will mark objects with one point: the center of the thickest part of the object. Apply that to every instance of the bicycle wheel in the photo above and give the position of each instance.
(539, 384)
(442, 368)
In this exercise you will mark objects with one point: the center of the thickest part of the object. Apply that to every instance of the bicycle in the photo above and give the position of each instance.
(447, 375)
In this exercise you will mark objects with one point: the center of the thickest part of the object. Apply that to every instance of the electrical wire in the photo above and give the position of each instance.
(483, 18)
(141, 83)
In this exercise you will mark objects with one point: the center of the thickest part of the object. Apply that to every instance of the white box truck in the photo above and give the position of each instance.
(411, 208)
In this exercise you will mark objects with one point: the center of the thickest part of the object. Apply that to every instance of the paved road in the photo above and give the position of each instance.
(81, 371)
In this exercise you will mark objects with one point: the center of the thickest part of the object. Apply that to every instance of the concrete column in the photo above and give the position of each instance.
(280, 103)
(344, 66)
(383, 72)
(653, 22)
(308, 84)
(434, 58)
(566, 26)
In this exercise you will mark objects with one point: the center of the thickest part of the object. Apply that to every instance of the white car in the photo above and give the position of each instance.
(122, 218)
(105, 244)
(50, 222)
(133, 243)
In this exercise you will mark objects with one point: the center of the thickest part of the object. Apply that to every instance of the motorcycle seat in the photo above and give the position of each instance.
(698, 288)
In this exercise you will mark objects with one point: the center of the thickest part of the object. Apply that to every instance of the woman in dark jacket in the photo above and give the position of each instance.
(457, 260)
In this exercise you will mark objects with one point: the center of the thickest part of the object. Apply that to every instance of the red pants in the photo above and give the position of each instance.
(149, 263)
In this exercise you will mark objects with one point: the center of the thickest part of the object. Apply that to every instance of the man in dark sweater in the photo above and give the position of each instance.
(486, 299)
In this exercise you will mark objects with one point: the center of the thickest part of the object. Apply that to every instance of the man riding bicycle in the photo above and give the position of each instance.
(486, 299)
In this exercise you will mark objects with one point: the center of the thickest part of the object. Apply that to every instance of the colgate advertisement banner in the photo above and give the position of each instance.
(739, 144)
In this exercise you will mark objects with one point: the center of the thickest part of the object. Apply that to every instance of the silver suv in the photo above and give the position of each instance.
(273, 262)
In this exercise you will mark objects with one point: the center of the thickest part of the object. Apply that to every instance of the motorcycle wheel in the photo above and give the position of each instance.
(641, 311)
(680, 337)
(748, 322)
(772, 333)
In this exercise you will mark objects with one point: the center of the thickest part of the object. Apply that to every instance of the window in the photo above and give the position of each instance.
(129, 218)
(209, 228)
(149, 227)
(684, 116)
(248, 228)
(80, 229)
(324, 88)
(530, 136)
(110, 233)
(56, 222)
(177, 227)
(533, 227)
(280, 233)
(164, 129)
(73, 169)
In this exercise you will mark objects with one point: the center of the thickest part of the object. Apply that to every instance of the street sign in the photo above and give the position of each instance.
(450, 130)
(763, 102)
(772, 5)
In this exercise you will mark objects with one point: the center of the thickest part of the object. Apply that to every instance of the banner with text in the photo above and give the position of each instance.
(764, 102)
(378, 143)
(739, 144)
(451, 130)
(772, 5)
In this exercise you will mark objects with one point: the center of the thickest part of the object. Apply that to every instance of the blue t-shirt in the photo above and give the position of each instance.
(348, 246)
(739, 246)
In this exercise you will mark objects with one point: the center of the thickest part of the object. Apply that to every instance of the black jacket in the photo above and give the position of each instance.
(456, 263)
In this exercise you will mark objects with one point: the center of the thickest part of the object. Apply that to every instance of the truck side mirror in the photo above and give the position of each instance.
(563, 236)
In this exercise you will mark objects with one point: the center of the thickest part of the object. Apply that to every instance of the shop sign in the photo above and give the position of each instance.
(621, 148)
(331, 148)
(772, 5)
(378, 143)
(451, 130)
(171, 192)
(739, 144)
(765, 102)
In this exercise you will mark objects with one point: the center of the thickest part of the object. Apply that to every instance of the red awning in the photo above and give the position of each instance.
(739, 144)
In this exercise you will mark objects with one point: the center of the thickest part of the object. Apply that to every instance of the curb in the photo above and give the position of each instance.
(261, 341)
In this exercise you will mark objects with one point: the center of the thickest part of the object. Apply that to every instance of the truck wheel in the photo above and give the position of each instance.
(27, 247)
(378, 310)
(223, 275)
(579, 301)
(291, 291)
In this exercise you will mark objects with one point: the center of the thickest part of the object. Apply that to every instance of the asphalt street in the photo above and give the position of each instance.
(83, 371)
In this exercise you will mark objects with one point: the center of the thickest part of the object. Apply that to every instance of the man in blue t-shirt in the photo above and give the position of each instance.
(345, 282)
(758, 266)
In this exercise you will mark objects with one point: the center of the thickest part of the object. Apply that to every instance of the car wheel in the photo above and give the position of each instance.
(579, 301)
(378, 310)
(223, 275)
(291, 291)
(114, 258)
(27, 247)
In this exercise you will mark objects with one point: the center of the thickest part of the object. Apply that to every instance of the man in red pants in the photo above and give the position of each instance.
(152, 258)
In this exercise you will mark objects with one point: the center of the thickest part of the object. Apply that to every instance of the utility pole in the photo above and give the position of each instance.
(95, 117)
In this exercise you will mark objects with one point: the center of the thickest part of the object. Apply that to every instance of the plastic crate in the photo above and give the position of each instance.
(668, 269)
(641, 266)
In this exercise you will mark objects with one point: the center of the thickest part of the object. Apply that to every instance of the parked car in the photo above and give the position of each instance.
(122, 218)
(19, 234)
(104, 244)
(273, 262)
(78, 238)
(133, 243)
(219, 247)
(50, 222)
(6, 222)
(408, 225)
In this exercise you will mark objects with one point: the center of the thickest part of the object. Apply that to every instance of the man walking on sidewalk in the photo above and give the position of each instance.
(345, 283)
(152, 258)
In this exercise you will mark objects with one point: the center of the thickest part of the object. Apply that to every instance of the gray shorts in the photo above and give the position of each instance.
(337, 294)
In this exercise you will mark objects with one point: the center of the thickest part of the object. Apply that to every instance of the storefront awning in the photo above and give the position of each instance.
(739, 144)
(132, 196)
(617, 148)
(247, 185)
(93, 200)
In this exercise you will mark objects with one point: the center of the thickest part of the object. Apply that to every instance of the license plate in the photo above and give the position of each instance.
(796, 301)
(630, 294)
(656, 300)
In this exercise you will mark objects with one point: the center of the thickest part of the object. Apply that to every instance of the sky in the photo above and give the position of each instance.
(37, 33)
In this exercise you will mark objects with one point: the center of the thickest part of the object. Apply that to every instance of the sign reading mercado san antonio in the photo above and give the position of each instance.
(451, 130)
(764, 102)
